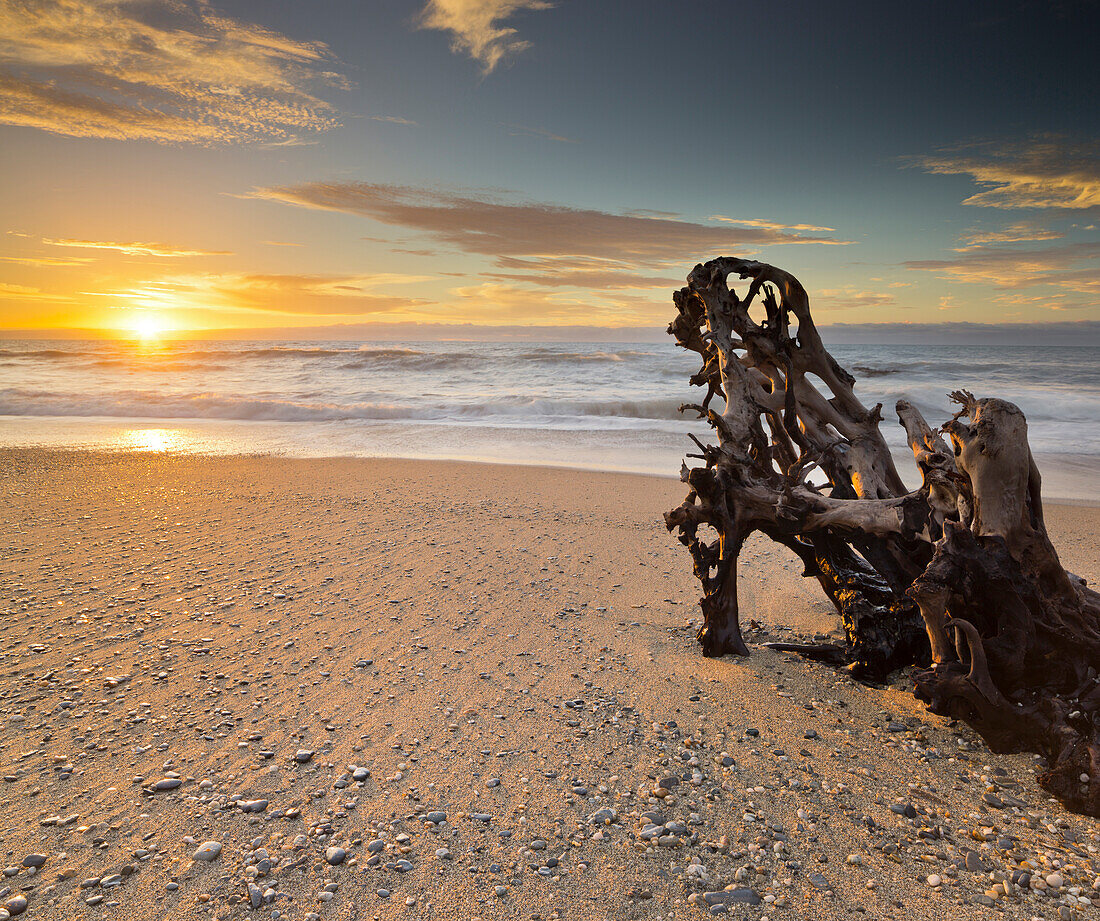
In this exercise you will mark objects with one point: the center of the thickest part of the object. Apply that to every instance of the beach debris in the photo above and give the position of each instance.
(958, 574)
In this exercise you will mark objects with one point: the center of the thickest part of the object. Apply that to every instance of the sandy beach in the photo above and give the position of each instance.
(297, 689)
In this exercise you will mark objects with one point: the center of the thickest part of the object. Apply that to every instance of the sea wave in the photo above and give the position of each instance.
(553, 356)
(510, 410)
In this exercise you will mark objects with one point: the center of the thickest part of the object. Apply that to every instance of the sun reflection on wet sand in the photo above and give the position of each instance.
(159, 441)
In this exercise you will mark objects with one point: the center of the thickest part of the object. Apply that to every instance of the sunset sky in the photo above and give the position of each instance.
(361, 165)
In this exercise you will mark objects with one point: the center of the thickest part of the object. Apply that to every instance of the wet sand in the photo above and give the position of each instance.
(401, 689)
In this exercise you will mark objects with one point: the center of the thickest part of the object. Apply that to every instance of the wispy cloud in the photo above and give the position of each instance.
(1075, 266)
(494, 226)
(849, 298)
(137, 249)
(46, 261)
(770, 225)
(171, 71)
(580, 272)
(1020, 232)
(303, 295)
(477, 27)
(394, 120)
(1042, 172)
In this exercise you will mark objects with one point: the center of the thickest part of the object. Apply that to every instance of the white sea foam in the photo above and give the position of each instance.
(606, 404)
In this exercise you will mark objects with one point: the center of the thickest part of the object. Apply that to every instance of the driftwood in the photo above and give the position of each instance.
(957, 577)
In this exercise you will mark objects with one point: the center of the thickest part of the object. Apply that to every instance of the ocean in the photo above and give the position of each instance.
(588, 405)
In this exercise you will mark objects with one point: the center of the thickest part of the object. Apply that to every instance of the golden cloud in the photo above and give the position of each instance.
(476, 27)
(487, 225)
(137, 249)
(1043, 172)
(171, 71)
(1013, 267)
(304, 295)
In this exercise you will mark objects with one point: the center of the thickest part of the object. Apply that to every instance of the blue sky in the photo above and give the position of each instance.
(195, 165)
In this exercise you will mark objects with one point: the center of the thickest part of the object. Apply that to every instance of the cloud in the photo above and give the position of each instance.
(45, 261)
(491, 226)
(1013, 267)
(477, 27)
(581, 272)
(28, 293)
(497, 302)
(1042, 172)
(170, 71)
(137, 249)
(1021, 232)
(848, 298)
(304, 295)
(770, 225)
(394, 120)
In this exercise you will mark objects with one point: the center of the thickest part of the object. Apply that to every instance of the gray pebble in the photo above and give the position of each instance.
(166, 783)
(335, 855)
(34, 860)
(740, 896)
(303, 756)
(211, 850)
(16, 905)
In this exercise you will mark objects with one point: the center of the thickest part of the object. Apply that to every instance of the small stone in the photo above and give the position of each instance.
(383, 893)
(437, 817)
(252, 805)
(1055, 881)
(974, 863)
(501, 891)
(303, 756)
(443, 854)
(211, 850)
(34, 860)
(934, 881)
(992, 799)
(166, 783)
(335, 855)
(255, 895)
(738, 896)
(403, 866)
(16, 905)
(854, 860)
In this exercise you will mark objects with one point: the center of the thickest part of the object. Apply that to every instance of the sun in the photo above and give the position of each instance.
(148, 327)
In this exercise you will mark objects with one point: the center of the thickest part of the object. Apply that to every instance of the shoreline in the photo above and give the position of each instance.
(491, 679)
(1069, 501)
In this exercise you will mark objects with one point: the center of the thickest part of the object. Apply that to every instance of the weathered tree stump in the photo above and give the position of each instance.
(957, 577)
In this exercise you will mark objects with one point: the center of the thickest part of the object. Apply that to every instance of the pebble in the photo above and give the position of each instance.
(303, 756)
(166, 783)
(934, 881)
(16, 905)
(335, 855)
(209, 851)
(34, 860)
(736, 896)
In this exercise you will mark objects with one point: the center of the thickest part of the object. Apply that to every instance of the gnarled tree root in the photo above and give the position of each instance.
(958, 574)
